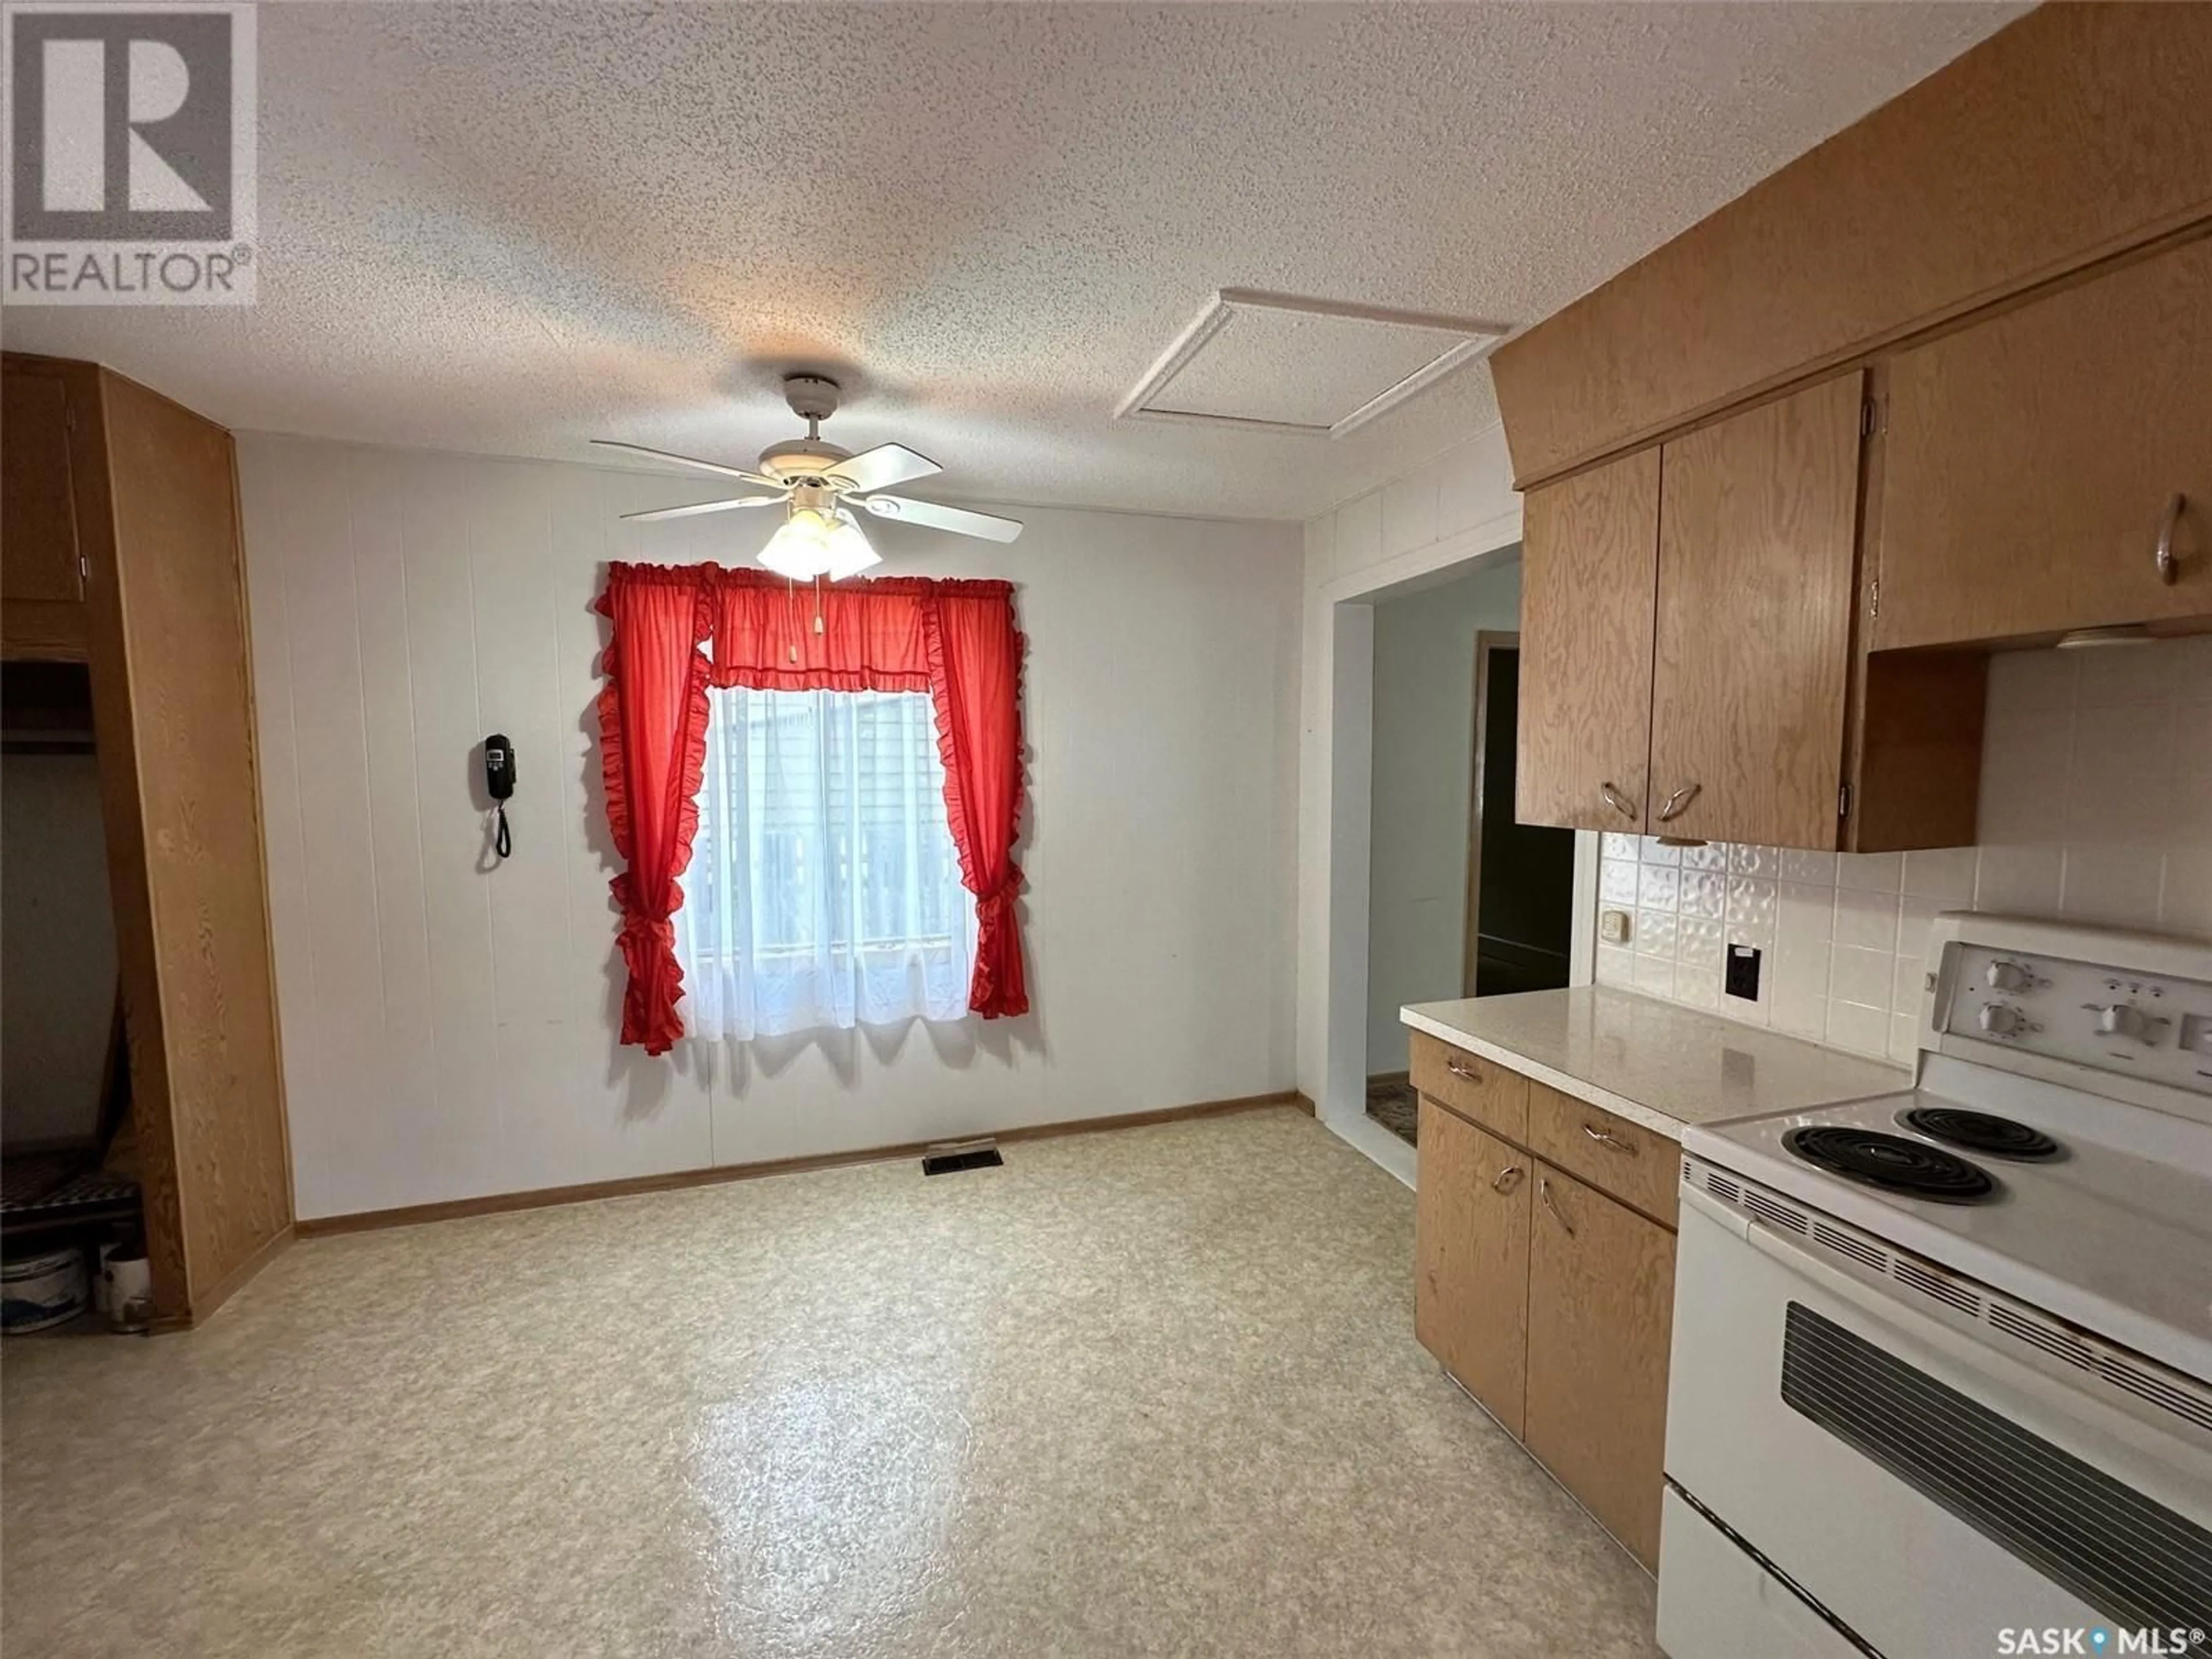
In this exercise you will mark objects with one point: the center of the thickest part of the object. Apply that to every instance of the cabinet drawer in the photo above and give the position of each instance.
(1481, 1089)
(1641, 1168)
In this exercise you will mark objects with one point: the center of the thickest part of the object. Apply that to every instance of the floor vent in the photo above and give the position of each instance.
(947, 1156)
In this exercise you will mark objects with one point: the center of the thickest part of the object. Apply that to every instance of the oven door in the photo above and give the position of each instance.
(1928, 1490)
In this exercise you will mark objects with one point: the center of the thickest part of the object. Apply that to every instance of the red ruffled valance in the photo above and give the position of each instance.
(956, 640)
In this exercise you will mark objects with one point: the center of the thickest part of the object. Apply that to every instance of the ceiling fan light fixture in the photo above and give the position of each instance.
(849, 551)
(824, 484)
(800, 547)
(813, 542)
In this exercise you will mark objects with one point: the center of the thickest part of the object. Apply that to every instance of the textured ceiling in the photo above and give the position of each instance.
(511, 227)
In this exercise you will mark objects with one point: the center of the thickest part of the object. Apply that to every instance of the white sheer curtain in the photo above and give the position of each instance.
(824, 889)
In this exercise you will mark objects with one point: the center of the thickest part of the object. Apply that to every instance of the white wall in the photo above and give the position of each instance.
(2096, 805)
(449, 1032)
(1460, 506)
(1423, 774)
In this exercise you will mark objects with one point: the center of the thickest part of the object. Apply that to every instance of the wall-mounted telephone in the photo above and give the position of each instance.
(499, 784)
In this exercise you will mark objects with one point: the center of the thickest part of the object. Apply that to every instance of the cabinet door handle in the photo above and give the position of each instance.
(1544, 1192)
(2168, 569)
(1616, 800)
(1675, 802)
(1506, 1177)
(1461, 1068)
(1609, 1140)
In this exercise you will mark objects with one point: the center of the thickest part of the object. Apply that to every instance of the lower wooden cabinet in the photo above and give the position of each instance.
(1550, 1295)
(1601, 1306)
(1471, 1279)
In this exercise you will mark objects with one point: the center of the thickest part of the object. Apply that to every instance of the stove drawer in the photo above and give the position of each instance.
(1716, 1601)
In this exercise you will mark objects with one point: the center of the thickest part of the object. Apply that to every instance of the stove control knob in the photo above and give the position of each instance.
(2009, 977)
(2000, 1021)
(2121, 1019)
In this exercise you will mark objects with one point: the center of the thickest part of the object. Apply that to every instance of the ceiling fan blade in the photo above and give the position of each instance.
(883, 467)
(723, 505)
(957, 520)
(687, 460)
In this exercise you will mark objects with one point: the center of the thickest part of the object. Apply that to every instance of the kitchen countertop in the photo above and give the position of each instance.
(1654, 1063)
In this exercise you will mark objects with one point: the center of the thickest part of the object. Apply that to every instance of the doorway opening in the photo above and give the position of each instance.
(1462, 901)
(1520, 877)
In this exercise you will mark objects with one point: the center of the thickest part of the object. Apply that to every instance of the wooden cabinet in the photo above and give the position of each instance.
(1550, 1298)
(146, 490)
(1480, 1091)
(1758, 545)
(1638, 1166)
(2031, 460)
(1766, 720)
(42, 562)
(1589, 568)
(1601, 1308)
(1471, 1277)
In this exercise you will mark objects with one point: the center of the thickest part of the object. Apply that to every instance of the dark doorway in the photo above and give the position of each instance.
(1520, 877)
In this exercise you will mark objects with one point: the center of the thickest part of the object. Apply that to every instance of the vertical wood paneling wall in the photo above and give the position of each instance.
(449, 1027)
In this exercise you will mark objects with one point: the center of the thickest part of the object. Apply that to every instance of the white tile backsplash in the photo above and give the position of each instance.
(1657, 887)
(2096, 805)
(1704, 893)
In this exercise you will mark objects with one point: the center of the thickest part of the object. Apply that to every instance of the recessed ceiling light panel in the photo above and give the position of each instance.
(1274, 362)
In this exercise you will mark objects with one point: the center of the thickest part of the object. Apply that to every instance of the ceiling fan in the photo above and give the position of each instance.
(822, 484)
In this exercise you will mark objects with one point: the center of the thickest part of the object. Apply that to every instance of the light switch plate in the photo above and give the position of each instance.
(1612, 927)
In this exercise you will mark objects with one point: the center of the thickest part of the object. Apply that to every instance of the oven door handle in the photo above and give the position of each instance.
(1972, 1345)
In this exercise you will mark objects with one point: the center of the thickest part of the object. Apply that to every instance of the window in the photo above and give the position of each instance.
(824, 889)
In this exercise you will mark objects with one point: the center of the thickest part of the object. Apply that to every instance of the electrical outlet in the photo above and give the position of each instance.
(1612, 927)
(1743, 971)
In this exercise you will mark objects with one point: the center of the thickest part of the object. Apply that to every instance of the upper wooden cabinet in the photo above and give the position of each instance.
(1758, 538)
(39, 560)
(2071, 134)
(2031, 461)
(1749, 703)
(1589, 562)
(1686, 648)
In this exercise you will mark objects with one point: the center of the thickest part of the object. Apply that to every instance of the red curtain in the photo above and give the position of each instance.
(956, 640)
(653, 744)
(975, 676)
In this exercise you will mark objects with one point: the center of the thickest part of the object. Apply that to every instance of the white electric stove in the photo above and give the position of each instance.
(1942, 1371)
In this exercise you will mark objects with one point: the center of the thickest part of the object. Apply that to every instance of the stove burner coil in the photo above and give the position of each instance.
(1893, 1163)
(1981, 1131)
